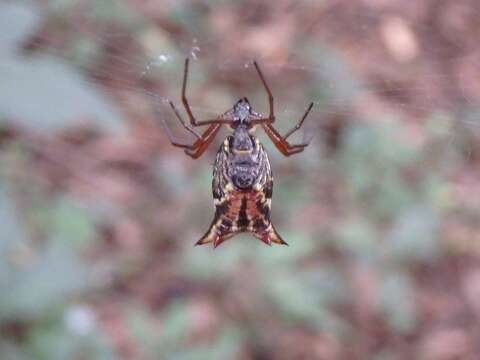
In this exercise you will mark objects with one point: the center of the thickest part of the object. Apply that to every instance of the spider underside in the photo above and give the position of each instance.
(242, 177)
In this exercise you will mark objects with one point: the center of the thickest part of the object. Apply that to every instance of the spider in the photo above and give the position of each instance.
(242, 177)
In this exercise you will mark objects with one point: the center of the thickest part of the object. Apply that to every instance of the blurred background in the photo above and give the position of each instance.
(99, 213)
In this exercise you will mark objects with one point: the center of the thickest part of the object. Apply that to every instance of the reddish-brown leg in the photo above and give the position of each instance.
(281, 144)
(194, 121)
(208, 137)
(185, 125)
(196, 149)
(271, 115)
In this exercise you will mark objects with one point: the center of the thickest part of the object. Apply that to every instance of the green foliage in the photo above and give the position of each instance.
(38, 278)
(225, 346)
(397, 303)
(51, 275)
(413, 236)
(358, 239)
(373, 158)
(189, 16)
(169, 335)
(57, 95)
(307, 297)
(65, 222)
(51, 339)
(333, 84)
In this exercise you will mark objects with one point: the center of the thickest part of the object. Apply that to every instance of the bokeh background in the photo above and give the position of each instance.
(99, 214)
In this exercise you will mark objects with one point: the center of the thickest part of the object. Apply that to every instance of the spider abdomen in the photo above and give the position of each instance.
(242, 190)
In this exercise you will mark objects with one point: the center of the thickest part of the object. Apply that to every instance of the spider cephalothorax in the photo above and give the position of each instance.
(241, 111)
(242, 177)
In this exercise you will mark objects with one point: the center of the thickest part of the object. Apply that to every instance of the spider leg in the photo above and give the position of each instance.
(193, 121)
(172, 139)
(196, 149)
(201, 145)
(280, 143)
(259, 121)
(186, 105)
(185, 125)
(271, 115)
(300, 123)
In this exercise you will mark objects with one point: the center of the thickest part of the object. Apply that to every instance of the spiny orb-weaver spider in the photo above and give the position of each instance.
(242, 177)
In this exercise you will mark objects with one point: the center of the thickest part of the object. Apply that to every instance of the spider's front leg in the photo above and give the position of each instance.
(271, 114)
(279, 141)
(196, 149)
(193, 121)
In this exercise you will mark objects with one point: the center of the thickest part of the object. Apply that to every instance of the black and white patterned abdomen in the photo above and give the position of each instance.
(242, 190)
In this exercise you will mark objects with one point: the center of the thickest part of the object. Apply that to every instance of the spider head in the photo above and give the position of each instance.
(241, 111)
